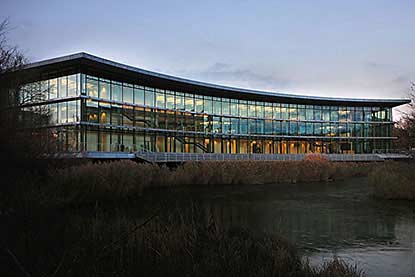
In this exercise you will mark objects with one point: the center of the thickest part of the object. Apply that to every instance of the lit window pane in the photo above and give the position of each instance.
(116, 92)
(92, 87)
(53, 88)
(72, 85)
(62, 87)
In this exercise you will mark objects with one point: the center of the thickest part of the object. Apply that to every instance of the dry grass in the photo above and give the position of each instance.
(120, 179)
(85, 240)
(394, 180)
(105, 244)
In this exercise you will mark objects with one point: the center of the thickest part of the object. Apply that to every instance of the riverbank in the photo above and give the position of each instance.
(111, 241)
(103, 218)
(127, 179)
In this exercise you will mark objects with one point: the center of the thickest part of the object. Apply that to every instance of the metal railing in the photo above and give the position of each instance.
(393, 151)
(182, 157)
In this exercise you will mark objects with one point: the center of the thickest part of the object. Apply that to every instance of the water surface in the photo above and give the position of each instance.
(339, 219)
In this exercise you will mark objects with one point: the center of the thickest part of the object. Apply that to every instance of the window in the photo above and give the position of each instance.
(293, 112)
(92, 140)
(128, 115)
(268, 127)
(179, 101)
(189, 103)
(243, 126)
(243, 108)
(104, 89)
(234, 125)
(44, 89)
(199, 103)
(302, 114)
(284, 111)
(226, 109)
(293, 128)
(217, 106)
(217, 124)
(334, 114)
(104, 113)
(73, 85)
(73, 115)
(92, 87)
(276, 128)
(309, 113)
(284, 127)
(149, 97)
(62, 87)
(268, 111)
(234, 107)
(358, 116)
(138, 95)
(160, 99)
(53, 88)
(91, 111)
(326, 113)
(251, 109)
(207, 124)
(128, 94)
(62, 112)
(208, 105)
(170, 100)
(226, 125)
(53, 113)
(252, 126)
(259, 109)
(116, 115)
(260, 126)
(317, 113)
(276, 111)
(343, 131)
(309, 129)
(302, 128)
(116, 91)
(343, 114)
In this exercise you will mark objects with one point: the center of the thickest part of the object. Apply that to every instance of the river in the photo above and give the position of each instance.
(325, 220)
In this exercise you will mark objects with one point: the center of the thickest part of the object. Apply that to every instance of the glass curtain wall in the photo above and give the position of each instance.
(86, 113)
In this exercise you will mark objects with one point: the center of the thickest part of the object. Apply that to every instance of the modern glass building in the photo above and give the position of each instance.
(96, 105)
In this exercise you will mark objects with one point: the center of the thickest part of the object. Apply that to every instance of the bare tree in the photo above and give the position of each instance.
(19, 141)
(404, 129)
(11, 58)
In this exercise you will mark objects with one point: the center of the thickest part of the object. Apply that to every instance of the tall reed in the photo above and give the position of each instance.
(118, 179)
(394, 180)
(169, 244)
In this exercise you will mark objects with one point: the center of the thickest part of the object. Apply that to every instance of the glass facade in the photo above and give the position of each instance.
(87, 113)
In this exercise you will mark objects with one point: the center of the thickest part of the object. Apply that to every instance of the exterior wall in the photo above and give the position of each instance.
(86, 113)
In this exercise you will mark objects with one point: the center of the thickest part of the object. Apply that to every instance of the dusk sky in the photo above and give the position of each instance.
(328, 48)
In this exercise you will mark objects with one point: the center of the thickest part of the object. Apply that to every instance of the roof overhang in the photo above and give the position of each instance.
(89, 64)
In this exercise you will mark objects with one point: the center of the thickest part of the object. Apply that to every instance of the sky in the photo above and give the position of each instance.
(361, 49)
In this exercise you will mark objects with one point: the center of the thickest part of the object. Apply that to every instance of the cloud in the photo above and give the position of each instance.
(377, 65)
(401, 79)
(232, 75)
